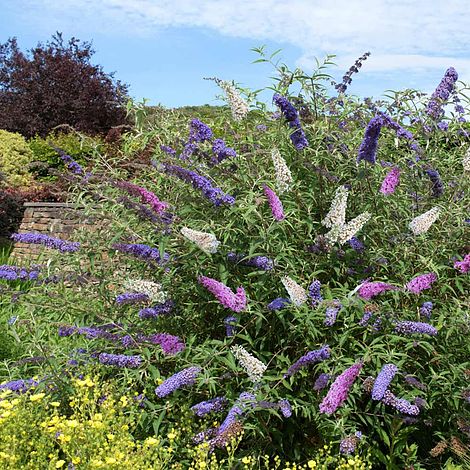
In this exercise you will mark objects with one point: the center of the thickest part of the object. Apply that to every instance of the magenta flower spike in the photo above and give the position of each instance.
(275, 203)
(225, 295)
(390, 182)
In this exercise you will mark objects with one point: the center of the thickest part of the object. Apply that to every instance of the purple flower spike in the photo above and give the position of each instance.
(390, 182)
(332, 312)
(236, 302)
(275, 203)
(463, 266)
(339, 389)
(426, 309)
(356, 244)
(230, 327)
(13, 273)
(210, 406)
(285, 408)
(260, 262)
(371, 289)
(120, 360)
(19, 386)
(131, 298)
(321, 382)
(292, 117)
(420, 283)
(278, 304)
(311, 357)
(314, 292)
(442, 93)
(164, 308)
(415, 327)
(45, 240)
(368, 147)
(400, 404)
(186, 377)
(383, 380)
(199, 132)
(215, 195)
(143, 252)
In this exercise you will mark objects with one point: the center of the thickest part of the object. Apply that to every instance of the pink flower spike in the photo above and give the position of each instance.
(275, 203)
(236, 302)
(371, 289)
(339, 389)
(391, 181)
(420, 283)
(463, 266)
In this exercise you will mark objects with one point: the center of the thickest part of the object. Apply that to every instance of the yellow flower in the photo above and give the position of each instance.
(110, 460)
(151, 441)
(172, 435)
(76, 460)
(311, 464)
(37, 396)
(60, 464)
(246, 460)
(55, 404)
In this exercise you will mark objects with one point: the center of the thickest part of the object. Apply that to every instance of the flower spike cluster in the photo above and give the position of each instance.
(236, 302)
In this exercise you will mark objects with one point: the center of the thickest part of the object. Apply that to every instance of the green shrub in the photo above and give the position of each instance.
(15, 158)
(80, 147)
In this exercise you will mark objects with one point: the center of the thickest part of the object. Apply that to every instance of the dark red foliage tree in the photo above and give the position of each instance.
(55, 83)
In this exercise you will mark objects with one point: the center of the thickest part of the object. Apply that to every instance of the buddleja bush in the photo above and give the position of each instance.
(303, 274)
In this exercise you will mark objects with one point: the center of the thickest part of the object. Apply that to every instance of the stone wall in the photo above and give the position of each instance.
(55, 219)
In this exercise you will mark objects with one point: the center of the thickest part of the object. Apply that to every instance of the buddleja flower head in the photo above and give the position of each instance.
(426, 309)
(420, 283)
(260, 262)
(368, 147)
(47, 241)
(343, 233)
(415, 327)
(253, 366)
(348, 445)
(337, 213)
(371, 289)
(283, 174)
(209, 406)
(311, 357)
(237, 104)
(225, 295)
(274, 203)
(314, 292)
(152, 289)
(463, 266)
(207, 242)
(390, 182)
(400, 404)
(442, 93)
(120, 360)
(297, 294)
(331, 312)
(339, 389)
(423, 222)
(466, 161)
(186, 377)
(383, 380)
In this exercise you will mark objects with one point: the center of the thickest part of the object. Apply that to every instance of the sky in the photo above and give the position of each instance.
(163, 49)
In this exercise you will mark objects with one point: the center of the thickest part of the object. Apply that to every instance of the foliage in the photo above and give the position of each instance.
(55, 84)
(82, 300)
(80, 147)
(15, 158)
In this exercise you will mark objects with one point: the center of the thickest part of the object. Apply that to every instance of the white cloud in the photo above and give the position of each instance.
(401, 34)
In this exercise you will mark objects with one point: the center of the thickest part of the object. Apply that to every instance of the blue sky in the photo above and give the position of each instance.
(164, 48)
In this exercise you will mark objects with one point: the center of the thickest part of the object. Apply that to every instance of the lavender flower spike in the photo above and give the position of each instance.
(383, 381)
(120, 360)
(314, 292)
(260, 262)
(400, 404)
(426, 309)
(442, 93)
(49, 242)
(463, 266)
(236, 302)
(230, 326)
(278, 304)
(205, 407)
(142, 251)
(131, 298)
(339, 389)
(321, 382)
(180, 379)
(19, 386)
(332, 312)
(311, 357)
(274, 203)
(412, 327)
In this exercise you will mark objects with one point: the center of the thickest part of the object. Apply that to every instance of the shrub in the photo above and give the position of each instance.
(15, 158)
(55, 84)
(295, 286)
